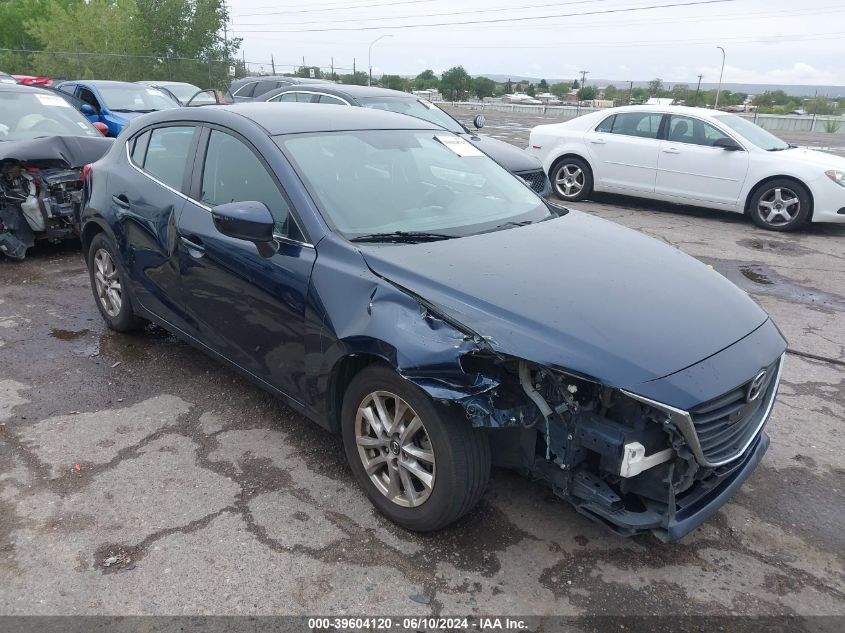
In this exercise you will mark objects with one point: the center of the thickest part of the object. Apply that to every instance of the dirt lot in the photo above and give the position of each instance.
(137, 476)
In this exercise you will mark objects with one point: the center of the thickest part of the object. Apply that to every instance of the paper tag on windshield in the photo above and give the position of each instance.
(154, 92)
(52, 100)
(458, 145)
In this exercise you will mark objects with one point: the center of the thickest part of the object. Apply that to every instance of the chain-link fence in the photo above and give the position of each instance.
(74, 64)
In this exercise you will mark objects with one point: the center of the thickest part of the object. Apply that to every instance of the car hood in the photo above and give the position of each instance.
(508, 156)
(812, 157)
(577, 293)
(66, 151)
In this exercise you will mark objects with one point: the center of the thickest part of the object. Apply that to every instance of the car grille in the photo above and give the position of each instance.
(535, 179)
(726, 425)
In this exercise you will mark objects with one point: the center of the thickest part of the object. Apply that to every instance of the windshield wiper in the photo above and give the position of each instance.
(408, 237)
(129, 110)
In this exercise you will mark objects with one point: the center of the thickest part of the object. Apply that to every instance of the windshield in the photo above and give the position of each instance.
(382, 181)
(29, 115)
(135, 99)
(419, 108)
(751, 132)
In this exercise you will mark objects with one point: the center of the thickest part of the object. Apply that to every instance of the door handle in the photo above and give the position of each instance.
(597, 141)
(121, 201)
(671, 150)
(194, 246)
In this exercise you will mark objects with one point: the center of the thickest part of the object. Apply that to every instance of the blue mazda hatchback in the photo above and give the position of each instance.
(393, 283)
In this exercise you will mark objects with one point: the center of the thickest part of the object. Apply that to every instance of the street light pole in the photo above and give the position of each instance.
(721, 72)
(370, 57)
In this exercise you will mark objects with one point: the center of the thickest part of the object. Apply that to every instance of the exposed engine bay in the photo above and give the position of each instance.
(41, 190)
(617, 459)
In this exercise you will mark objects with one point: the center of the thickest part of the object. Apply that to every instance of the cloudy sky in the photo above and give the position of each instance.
(766, 41)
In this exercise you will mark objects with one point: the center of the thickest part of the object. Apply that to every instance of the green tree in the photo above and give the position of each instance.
(561, 89)
(681, 93)
(483, 87)
(655, 87)
(611, 92)
(455, 83)
(358, 78)
(543, 86)
(394, 82)
(508, 87)
(426, 80)
(575, 85)
(819, 105)
(531, 91)
(587, 93)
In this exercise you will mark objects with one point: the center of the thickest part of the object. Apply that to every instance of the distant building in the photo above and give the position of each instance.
(429, 95)
(548, 98)
(521, 98)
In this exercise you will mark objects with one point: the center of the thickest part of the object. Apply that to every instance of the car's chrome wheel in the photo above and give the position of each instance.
(395, 449)
(779, 206)
(107, 283)
(569, 181)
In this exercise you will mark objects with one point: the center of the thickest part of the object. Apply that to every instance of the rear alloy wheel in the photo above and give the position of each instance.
(421, 465)
(572, 179)
(780, 205)
(107, 284)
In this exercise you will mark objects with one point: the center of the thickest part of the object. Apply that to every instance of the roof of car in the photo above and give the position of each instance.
(164, 83)
(704, 113)
(102, 82)
(345, 90)
(294, 80)
(22, 88)
(297, 118)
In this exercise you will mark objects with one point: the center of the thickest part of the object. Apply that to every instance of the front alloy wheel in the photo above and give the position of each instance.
(395, 449)
(780, 205)
(421, 463)
(571, 178)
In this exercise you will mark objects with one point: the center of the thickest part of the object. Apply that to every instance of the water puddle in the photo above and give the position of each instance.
(67, 335)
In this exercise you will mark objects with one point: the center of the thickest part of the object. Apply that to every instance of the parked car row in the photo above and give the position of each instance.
(386, 278)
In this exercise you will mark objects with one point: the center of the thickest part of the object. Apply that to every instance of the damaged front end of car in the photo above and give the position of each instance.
(626, 461)
(41, 190)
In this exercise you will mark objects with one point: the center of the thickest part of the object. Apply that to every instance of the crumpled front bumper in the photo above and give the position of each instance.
(705, 499)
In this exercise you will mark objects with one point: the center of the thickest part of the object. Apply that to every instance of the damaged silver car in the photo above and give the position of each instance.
(44, 143)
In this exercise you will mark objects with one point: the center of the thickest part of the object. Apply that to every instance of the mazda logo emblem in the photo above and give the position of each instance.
(756, 387)
(394, 446)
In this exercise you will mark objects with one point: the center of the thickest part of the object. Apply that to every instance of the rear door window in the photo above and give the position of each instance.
(331, 100)
(247, 90)
(641, 124)
(87, 96)
(168, 154)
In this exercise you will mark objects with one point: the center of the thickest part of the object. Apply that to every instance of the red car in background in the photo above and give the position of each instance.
(29, 80)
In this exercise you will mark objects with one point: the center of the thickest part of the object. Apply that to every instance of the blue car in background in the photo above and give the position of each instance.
(115, 103)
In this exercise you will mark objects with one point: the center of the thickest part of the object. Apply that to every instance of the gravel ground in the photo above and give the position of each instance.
(137, 476)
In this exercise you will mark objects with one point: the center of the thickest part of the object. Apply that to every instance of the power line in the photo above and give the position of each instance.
(497, 20)
(428, 15)
(341, 8)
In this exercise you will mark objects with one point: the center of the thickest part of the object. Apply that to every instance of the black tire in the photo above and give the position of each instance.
(123, 319)
(461, 453)
(764, 205)
(571, 174)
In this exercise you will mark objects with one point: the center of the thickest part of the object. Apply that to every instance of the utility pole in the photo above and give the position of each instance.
(697, 90)
(584, 74)
(272, 63)
(630, 92)
(721, 72)
(332, 75)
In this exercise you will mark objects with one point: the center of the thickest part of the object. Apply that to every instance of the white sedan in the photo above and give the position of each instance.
(692, 156)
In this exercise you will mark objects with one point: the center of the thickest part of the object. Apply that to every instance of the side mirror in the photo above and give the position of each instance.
(101, 127)
(87, 109)
(479, 121)
(727, 144)
(250, 221)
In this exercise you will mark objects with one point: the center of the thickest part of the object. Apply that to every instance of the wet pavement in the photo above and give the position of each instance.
(138, 476)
